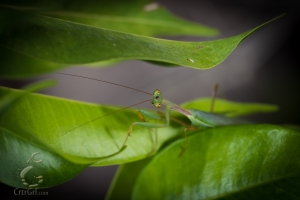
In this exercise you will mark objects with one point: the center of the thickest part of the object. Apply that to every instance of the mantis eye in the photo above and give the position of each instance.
(157, 97)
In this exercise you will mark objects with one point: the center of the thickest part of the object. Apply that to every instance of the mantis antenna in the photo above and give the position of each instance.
(113, 111)
(106, 82)
(107, 115)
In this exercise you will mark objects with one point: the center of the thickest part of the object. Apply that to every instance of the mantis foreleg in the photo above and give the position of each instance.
(149, 124)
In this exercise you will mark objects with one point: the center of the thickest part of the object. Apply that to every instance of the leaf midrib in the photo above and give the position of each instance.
(127, 19)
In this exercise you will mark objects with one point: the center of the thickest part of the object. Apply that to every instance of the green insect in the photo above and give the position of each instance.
(198, 118)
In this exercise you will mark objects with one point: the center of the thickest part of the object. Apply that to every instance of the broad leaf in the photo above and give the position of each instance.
(125, 178)
(10, 98)
(229, 108)
(232, 162)
(29, 162)
(15, 156)
(56, 121)
(124, 16)
(21, 150)
(64, 125)
(49, 126)
(57, 43)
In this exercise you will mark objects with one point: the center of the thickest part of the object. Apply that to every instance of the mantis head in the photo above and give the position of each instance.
(157, 98)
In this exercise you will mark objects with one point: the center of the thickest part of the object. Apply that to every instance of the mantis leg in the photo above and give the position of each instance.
(213, 98)
(186, 140)
(155, 142)
(143, 115)
(187, 127)
(148, 124)
(176, 120)
(214, 95)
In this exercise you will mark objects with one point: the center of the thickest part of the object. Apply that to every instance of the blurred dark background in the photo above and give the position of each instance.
(263, 68)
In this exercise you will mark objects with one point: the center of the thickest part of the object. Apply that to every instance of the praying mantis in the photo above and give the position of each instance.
(197, 118)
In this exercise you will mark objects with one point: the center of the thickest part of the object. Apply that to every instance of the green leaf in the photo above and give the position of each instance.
(65, 43)
(15, 154)
(232, 162)
(123, 16)
(29, 162)
(56, 121)
(229, 108)
(10, 98)
(18, 65)
(18, 146)
(125, 178)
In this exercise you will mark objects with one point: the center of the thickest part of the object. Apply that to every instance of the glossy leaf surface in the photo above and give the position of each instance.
(31, 39)
(229, 108)
(56, 121)
(233, 162)
(26, 160)
(125, 16)
(49, 126)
